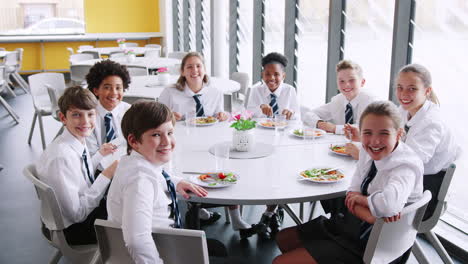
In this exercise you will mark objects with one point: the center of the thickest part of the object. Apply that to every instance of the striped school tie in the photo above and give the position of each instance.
(110, 132)
(85, 160)
(407, 129)
(365, 227)
(199, 106)
(174, 207)
(349, 114)
(274, 104)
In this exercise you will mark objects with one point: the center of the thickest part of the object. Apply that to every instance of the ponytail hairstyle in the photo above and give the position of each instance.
(425, 76)
(180, 84)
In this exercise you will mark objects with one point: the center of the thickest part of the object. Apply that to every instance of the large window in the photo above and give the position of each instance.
(440, 43)
(368, 41)
(312, 52)
(245, 36)
(44, 18)
(274, 26)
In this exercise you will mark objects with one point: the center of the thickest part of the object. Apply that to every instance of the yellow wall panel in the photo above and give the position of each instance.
(32, 54)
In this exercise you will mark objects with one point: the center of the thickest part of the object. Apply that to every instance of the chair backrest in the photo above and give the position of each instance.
(95, 54)
(131, 44)
(54, 100)
(153, 53)
(249, 90)
(71, 51)
(116, 54)
(38, 82)
(2, 78)
(177, 54)
(19, 58)
(432, 221)
(11, 58)
(388, 241)
(85, 47)
(156, 46)
(130, 99)
(192, 242)
(134, 70)
(78, 72)
(80, 57)
(243, 79)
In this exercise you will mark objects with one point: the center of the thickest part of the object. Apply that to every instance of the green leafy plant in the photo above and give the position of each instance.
(243, 121)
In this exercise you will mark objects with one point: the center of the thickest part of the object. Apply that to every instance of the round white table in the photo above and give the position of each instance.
(150, 63)
(108, 50)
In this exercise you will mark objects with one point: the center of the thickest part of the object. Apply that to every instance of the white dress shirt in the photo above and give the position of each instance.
(286, 98)
(399, 180)
(98, 137)
(182, 102)
(430, 138)
(137, 200)
(334, 111)
(61, 167)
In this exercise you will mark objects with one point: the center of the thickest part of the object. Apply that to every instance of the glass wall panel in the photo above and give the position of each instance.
(274, 26)
(245, 35)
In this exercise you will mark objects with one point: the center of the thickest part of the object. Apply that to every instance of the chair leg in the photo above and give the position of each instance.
(22, 83)
(226, 212)
(301, 211)
(312, 209)
(10, 90)
(9, 110)
(419, 253)
(32, 128)
(41, 127)
(431, 236)
(56, 257)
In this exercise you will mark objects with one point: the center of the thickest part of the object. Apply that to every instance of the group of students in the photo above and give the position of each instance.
(394, 164)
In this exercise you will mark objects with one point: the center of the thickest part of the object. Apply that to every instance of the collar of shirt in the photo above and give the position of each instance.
(190, 93)
(101, 111)
(146, 163)
(419, 115)
(75, 144)
(383, 164)
(266, 91)
(354, 102)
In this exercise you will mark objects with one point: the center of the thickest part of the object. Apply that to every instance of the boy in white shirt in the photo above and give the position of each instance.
(274, 96)
(142, 195)
(67, 166)
(107, 80)
(344, 108)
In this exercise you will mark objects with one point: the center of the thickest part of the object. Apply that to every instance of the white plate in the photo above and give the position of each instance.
(260, 123)
(302, 178)
(338, 153)
(206, 124)
(316, 130)
(197, 181)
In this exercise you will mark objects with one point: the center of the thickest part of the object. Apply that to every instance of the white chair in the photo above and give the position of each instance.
(95, 54)
(249, 90)
(85, 47)
(75, 58)
(130, 99)
(17, 67)
(131, 44)
(135, 70)
(78, 74)
(50, 212)
(54, 95)
(152, 53)
(116, 54)
(3, 84)
(71, 51)
(10, 62)
(41, 99)
(428, 224)
(243, 79)
(155, 46)
(169, 242)
(177, 55)
(389, 241)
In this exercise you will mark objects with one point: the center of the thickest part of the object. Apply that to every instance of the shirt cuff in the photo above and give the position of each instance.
(100, 184)
(372, 208)
(339, 130)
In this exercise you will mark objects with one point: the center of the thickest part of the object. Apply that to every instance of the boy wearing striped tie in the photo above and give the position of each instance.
(274, 96)
(142, 195)
(344, 108)
(107, 80)
(68, 167)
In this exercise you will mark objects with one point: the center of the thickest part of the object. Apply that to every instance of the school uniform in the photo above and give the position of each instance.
(137, 200)
(433, 142)
(211, 98)
(398, 181)
(98, 137)
(63, 167)
(285, 96)
(335, 111)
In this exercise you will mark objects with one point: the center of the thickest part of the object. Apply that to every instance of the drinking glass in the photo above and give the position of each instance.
(221, 153)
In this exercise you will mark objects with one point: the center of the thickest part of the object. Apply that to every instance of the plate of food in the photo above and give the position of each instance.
(322, 175)
(205, 120)
(308, 132)
(339, 149)
(270, 123)
(215, 179)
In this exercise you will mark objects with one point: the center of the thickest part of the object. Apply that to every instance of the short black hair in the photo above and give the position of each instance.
(275, 57)
(104, 69)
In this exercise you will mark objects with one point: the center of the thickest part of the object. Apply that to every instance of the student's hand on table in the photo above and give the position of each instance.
(266, 110)
(184, 186)
(222, 116)
(107, 148)
(110, 171)
(177, 116)
(351, 132)
(352, 150)
(392, 218)
(287, 113)
(327, 126)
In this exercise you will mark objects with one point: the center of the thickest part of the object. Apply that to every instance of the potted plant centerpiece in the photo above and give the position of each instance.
(163, 74)
(131, 55)
(121, 42)
(243, 138)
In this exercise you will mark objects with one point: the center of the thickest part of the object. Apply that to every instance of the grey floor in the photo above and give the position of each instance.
(21, 241)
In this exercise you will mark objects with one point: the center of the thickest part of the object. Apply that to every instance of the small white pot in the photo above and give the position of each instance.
(131, 58)
(164, 78)
(243, 140)
(122, 46)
